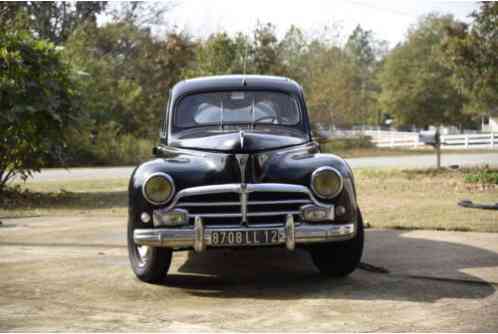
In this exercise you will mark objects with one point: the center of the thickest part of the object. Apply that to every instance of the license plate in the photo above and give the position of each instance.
(245, 238)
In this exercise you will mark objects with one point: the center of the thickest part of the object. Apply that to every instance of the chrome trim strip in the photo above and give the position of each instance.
(250, 214)
(243, 159)
(290, 201)
(243, 203)
(285, 201)
(252, 226)
(191, 238)
(251, 187)
(192, 204)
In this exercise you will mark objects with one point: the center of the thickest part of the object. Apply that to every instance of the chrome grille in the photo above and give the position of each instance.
(266, 203)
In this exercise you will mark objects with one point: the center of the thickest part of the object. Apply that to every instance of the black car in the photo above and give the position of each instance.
(237, 167)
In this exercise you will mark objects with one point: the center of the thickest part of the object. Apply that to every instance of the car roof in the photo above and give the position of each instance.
(236, 81)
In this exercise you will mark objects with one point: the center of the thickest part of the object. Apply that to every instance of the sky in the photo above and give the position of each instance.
(389, 20)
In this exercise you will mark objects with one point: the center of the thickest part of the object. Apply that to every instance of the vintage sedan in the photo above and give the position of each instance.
(237, 167)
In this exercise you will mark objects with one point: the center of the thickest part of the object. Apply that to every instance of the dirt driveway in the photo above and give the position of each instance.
(72, 274)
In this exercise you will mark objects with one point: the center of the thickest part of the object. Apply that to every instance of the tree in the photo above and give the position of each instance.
(139, 13)
(293, 48)
(471, 51)
(329, 85)
(416, 86)
(38, 101)
(219, 54)
(54, 20)
(267, 57)
(360, 47)
(127, 74)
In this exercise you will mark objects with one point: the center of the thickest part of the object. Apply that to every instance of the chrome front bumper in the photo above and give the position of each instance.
(198, 237)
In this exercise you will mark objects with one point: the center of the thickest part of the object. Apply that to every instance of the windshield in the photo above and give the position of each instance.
(237, 107)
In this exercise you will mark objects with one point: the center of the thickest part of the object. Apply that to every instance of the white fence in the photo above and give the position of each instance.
(393, 139)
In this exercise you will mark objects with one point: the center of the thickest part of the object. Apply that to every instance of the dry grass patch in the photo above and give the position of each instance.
(425, 199)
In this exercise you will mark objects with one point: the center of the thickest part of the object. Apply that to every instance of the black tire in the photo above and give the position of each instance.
(151, 267)
(340, 258)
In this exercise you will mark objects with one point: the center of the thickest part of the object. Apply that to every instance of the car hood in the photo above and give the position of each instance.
(238, 141)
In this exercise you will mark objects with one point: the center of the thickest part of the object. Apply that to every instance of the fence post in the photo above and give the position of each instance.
(467, 141)
(492, 140)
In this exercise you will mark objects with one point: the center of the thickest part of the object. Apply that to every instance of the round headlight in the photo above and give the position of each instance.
(158, 188)
(326, 182)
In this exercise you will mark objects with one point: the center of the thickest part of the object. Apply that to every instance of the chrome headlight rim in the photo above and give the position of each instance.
(168, 178)
(321, 170)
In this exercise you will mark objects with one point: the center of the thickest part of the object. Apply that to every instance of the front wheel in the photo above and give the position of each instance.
(150, 264)
(340, 258)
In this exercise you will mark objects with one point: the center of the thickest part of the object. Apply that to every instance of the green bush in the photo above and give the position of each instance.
(38, 100)
(482, 176)
(105, 145)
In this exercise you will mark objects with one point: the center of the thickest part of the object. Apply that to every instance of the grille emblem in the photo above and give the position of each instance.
(242, 159)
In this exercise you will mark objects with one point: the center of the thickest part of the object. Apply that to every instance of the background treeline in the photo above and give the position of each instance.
(100, 87)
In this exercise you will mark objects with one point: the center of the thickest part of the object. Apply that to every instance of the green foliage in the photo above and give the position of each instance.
(53, 20)
(416, 86)
(126, 74)
(267, 58)
(219, 54)
(360, 47)
(105, 145)
(329, 85)
(472, 53)
(294, 49)
(38, 101)
(119, 73)
(483, 176)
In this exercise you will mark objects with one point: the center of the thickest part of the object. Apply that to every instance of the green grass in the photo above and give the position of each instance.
(389, 198)
(66, 198)
(483, 176)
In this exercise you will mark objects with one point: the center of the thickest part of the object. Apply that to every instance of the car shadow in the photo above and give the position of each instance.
(394, 267)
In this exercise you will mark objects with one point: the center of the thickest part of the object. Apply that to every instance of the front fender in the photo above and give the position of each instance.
(186, 169)
(297, 167)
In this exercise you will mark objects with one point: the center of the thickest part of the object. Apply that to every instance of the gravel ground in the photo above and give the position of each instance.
(72, 274)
